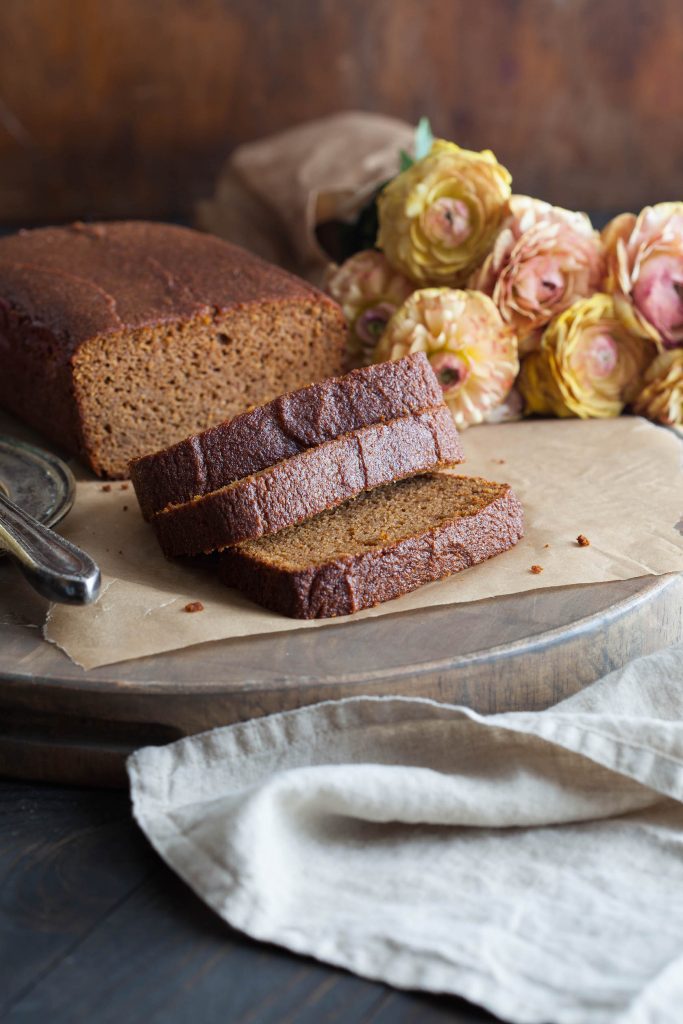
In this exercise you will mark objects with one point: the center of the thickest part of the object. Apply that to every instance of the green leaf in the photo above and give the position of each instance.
(405, 160)
(423, 138)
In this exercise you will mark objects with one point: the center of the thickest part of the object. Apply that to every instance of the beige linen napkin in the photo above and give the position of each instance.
(530, 862)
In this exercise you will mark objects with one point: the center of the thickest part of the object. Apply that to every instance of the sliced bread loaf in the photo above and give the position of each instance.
(382, 544)
(120, 338)
(282, 428)
(310, 482)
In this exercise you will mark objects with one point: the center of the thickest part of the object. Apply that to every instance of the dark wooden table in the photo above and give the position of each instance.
(94, 927)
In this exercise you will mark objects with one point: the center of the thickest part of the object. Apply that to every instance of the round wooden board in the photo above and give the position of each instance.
(521, 652)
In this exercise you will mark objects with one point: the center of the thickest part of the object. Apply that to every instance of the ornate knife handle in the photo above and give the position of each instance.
(55, 567)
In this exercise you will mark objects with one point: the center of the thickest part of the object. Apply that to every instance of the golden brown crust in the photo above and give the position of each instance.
(85, 280)
(307, 483)
(116, 339)
(284, 427)
(346, 584)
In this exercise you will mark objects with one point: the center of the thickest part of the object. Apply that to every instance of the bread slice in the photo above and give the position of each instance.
(120, 338)
(380, 545)
(316, 479)
(282, 428)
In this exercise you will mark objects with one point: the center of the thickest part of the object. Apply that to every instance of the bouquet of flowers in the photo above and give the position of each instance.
(521, 307)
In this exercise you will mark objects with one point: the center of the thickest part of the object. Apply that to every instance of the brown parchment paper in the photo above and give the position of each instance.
(616, 481)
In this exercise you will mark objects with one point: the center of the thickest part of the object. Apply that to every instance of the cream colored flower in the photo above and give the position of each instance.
(661, 399)
(369, 292)
(588, 364)
(645, 271)
(510, 409)
(543, 260)
(438, 219)
(471, 350)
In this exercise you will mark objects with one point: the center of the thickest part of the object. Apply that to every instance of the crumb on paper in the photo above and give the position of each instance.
(582, 541)
(536, 569)
(546, 545)
(499, 462)
(105, 487)
(125, 508)
(194, 606)
(124, 487)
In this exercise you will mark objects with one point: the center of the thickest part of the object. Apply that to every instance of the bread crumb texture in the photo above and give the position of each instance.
(140, 334)
(384, 516)
(376, 547)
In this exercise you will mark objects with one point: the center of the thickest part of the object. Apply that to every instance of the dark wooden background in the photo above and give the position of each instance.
(117, 108)
(128, 107)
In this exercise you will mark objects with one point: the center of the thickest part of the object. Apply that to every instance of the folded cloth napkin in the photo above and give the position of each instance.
(530, 862)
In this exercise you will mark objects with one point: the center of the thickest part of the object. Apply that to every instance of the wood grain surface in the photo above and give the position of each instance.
(94, 929)
(129, 108)
(518, 652)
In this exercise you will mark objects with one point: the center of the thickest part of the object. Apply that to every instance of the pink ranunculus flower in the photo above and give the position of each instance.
(543, 260)
(369, 292)
(645, 271)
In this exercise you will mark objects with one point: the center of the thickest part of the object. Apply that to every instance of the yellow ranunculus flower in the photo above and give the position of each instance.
(588, 365)
(438, 219)
(661, 399)
(472, 352)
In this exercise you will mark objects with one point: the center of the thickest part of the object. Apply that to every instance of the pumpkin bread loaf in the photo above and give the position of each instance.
(308, 483)
(376, 547)
(284, 427)
(119, 339)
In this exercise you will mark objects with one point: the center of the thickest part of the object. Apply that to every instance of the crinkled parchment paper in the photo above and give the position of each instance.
(618, 482)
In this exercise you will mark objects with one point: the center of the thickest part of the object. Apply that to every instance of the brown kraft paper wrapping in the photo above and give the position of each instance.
(272, 193)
